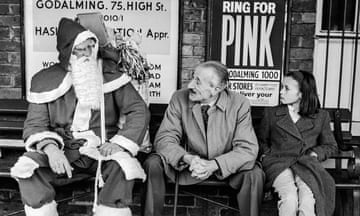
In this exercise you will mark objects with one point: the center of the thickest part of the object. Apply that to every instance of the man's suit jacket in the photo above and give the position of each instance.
(230, 138)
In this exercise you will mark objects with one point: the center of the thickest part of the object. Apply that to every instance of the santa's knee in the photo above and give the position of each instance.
(33, 196)
(112, 169)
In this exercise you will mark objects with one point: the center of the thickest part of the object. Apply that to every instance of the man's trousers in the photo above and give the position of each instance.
(248, 184)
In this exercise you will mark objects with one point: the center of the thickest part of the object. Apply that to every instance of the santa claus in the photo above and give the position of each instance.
(63, 127)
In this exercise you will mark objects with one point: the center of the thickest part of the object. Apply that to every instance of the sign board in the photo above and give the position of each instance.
(248, 36)
(156, 20)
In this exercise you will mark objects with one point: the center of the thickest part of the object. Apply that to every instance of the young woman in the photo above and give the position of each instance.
(294, 138)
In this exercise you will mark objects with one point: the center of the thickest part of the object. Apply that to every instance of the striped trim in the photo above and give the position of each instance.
(81, 119)
(91, 139)
(37, 137)
(48, 96)
(117, 83)
(126, 143)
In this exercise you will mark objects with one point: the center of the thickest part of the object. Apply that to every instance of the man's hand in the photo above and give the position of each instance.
(57, 160)
(107, 149)
(189, 158)
(200, 168)
(204, 169)
(313, 154)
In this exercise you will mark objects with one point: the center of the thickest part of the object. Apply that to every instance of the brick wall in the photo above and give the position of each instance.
(10, 46)
(302, 33)
(193, 37)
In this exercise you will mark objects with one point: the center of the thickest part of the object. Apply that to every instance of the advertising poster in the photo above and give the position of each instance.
(249, 38)
(156, 20)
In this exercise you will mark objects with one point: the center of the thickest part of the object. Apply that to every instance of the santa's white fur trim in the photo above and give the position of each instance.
(48, 96)
(130, 165)
(48, 209)
(24, 167)
(117, 83)
(37, 137)
(92, 140)
(83, 36)
(102, 210)
(126, 143)
(81, 119)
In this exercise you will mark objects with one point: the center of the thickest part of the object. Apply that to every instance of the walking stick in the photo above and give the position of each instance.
(98, 179)
(176, 192)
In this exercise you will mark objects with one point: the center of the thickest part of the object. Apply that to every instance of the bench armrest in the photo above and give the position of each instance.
(354, 163)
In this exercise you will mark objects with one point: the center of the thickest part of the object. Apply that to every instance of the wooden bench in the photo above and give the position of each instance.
(13, 113)
(348, 179)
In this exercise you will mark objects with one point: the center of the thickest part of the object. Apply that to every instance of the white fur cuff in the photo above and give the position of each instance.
(48, 209)
(126, 143)
(24, 168)
(117, 83)
(37, 137)
(102, 210)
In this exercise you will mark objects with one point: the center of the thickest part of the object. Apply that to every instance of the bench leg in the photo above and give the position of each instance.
(356, 206)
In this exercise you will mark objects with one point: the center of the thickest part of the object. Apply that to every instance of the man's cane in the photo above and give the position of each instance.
(98, 179)
(176, 191)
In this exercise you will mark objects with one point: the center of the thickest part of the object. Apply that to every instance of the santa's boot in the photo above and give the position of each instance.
(49, 209)
(102, 210)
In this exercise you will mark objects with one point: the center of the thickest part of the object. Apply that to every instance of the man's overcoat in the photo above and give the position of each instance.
(230, 138)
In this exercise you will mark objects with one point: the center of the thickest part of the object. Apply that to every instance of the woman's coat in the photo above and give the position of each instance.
(285, 144)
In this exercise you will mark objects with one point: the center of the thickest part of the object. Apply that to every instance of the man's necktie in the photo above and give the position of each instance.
(205, 115)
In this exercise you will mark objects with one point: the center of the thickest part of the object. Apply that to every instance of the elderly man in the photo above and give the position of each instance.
(215, 126)
(63, 127)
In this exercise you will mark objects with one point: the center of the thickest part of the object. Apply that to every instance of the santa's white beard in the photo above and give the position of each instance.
(87, 81)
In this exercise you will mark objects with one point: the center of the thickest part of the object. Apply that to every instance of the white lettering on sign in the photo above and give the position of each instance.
(231, 36)
(246, 7)
(236, 7)
(264, 7)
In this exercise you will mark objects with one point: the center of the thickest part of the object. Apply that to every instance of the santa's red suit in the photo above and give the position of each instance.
(56, 115)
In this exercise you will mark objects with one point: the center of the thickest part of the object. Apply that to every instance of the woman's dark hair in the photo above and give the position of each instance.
(310, 102)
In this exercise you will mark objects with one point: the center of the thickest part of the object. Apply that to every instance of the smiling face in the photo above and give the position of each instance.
(290, 91)
(205, 85)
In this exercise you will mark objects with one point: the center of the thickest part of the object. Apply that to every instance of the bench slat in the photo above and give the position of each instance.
(12, 143)
(11, 126)
(13, 106)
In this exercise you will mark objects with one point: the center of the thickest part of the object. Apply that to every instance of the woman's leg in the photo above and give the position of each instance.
(285, 186)
(306, 198)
